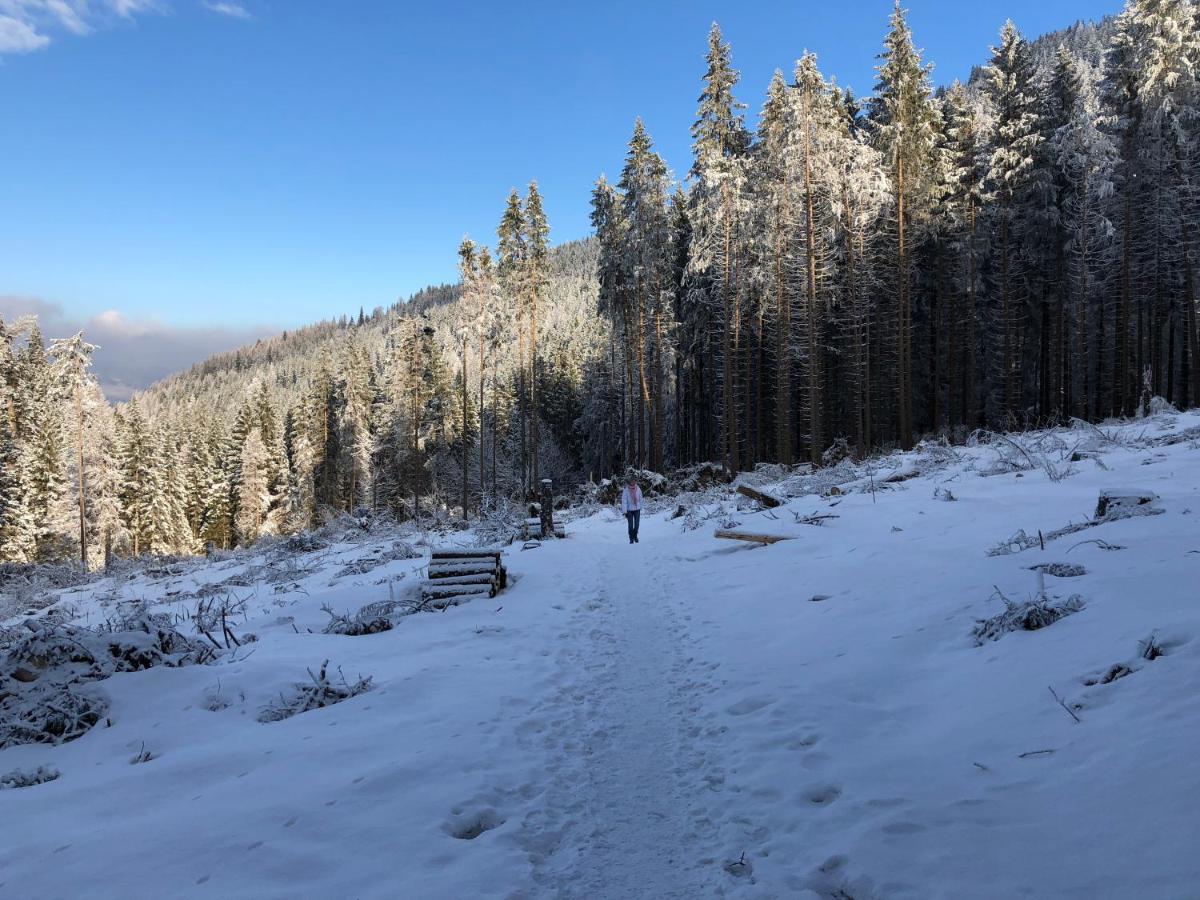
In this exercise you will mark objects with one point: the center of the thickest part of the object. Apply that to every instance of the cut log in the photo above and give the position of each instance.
(464, 561)
(437, 592)
(478, 553)
(463, 564)
(765, 499)
(481, 578)
(443, 570)
(754, 538)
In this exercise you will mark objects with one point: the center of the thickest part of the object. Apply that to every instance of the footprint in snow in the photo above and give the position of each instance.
(749, 705)
(468, 826)
(822, 795)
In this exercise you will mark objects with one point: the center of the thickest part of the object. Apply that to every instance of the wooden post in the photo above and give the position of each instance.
(547, 509)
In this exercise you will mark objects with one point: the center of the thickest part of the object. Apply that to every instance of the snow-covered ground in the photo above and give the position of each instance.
(688, 717)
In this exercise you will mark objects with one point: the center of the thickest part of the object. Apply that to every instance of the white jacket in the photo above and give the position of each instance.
(631, 499)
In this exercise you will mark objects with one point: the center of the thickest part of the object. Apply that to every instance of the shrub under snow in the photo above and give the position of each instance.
(317, 694)
(1029, 615)
(19, 779)
(46, 672)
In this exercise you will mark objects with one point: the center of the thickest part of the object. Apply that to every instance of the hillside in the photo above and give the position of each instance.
(687, 717)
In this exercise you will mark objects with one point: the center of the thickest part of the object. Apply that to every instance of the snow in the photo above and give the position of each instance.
(687, 717)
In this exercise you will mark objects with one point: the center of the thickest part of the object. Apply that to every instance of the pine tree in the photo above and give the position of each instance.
(136, 465)
(963, 205)
(1084, 160)
(512, 268)
(773, 202)
(254, 496)
(1014, 143)
(903, 118)
(814, 121)
(356, 406)
(72, 360)
(613, 448)
(646, 236)
(718, 209)
(44, 474)
(322, 463)
(537, 233)
(17, 530)
(216, 523)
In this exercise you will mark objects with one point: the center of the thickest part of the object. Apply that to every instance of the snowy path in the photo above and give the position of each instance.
(615, 820)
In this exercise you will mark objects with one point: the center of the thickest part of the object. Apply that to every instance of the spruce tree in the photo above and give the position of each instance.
(720, 143)
(903, 119)
(72, 361)
(1014, 143)
(512, 268)
(646, 237)
(537, 247)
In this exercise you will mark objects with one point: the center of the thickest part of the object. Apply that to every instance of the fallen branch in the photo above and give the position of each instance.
(813, 519)
(1070, 711)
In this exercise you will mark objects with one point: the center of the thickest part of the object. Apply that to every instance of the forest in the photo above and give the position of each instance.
(844, 275)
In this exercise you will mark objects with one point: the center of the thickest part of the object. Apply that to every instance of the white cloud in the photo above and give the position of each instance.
(29, 25)
(134, 353)
(127, 8)
(69, 15)
(18, 36)
(233, 10)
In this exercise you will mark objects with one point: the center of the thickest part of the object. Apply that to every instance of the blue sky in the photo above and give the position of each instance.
(263, 164)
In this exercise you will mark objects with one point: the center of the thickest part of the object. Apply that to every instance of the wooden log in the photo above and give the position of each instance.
(485, 562)
(765, 499)
(438, 572)
(435, 592)
(748, 536)
(463, 561)
(480, 578)
(465, 554)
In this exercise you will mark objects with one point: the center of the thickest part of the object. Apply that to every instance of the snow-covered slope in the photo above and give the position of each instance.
(688, 717)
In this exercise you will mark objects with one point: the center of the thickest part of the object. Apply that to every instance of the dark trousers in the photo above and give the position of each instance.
(634, 518)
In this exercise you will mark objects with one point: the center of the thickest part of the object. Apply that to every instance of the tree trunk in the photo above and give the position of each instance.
(533, 392)
(83, 558)
(465, 447)
(730, 308)
(816, 444)
(903, 348)
(783, 357)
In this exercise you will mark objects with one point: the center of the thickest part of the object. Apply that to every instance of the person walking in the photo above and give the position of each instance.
(631, 506)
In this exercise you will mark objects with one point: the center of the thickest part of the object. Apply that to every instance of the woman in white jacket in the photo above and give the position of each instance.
(631, 506)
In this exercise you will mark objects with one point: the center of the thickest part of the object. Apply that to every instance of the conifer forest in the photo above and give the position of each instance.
(833, 275)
